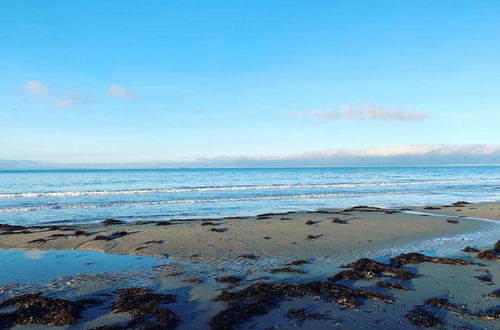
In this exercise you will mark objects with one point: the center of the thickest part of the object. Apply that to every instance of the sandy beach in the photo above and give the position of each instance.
(197, 258)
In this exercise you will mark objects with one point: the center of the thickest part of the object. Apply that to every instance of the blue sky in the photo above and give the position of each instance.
(180, 81)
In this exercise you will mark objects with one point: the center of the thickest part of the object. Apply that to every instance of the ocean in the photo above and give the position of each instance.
(88, 196)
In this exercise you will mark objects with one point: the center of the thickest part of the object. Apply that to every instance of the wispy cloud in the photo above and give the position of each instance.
(369, 111)
(120, 92)
(75, 98)
(36, 88)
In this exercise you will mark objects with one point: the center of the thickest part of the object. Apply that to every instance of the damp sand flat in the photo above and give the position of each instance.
(297, 234)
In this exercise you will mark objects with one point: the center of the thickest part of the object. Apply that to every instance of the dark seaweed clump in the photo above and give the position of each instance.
(310, 222)
(423, 318)
(38, 240)
(109, 222)
(393, 285)
(260, 298)
(228, 279)
(417, 258)
(297, 262)
(366, 269)
(116, 234)
(145, 308)
(337, 220)
(470, 249)
(287, 270)
(34, 308)
(208, 223)
(301, 315)
(81, 233)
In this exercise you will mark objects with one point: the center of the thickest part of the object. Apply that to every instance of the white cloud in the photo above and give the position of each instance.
(120, 92)
(36, 88)
(75, 98)
(369, 111)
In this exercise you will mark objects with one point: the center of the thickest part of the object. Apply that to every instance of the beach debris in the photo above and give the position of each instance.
(337, 220)
(57, 235)
(485, 278)
(208, 223)
(297, 262)
(81, 233)
(109, 222)
(163, 223)
(172, 274)
(116, 234)
(229, 279)
(11, 232)
(38, 240)
(443, 303)
(193, 280)
(218, 230)
(487, 255)
(418, 258)
(470, 249)
(450, 220)
(300, 314)
(423, 318)
(310, 222)
(35, 308)
(366, 269)
(393, 285)
(495, 293)
(260, 298)
(101, 238)
(313, 236)
(146, 308)
(460, 203)
(153, 242)
(249, 256)
(364, 208)
(492, 313)
(287, 270)
(432, 208)
(496, 247)
(284, 218)
(5, 226)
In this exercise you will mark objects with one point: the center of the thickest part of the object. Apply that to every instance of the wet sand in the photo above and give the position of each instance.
(262, 250)
(301, 234)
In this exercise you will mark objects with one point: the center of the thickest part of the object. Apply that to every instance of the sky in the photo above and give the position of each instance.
(249, 82)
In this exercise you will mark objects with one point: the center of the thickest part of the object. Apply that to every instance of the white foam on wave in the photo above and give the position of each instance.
(235, 188)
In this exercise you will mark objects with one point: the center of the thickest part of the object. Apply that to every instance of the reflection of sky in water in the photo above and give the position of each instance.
(27, 266)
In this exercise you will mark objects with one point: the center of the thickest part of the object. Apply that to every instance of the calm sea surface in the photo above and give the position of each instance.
(84, 196)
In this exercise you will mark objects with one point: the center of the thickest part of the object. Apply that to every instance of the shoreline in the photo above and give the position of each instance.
(321, 233)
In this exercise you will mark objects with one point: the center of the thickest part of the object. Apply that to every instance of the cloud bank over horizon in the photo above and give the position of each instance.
(369, 111)
(403, 155)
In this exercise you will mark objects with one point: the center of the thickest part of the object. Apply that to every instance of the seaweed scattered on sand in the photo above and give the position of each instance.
(495, 293)
(249, 256)
(313, 236)
(284, 218)
(417, 258)
(452, 220)
(145, 308)
(38, 240)
(35, 308)
(393, 285)
(432, 208)
(57, 235)
(485, 278)
(229, 279)
(443, 303)
(492, 313)
(163, 223)
(470, 249)
(153, 242)
(423, 318)
(81, 233)
(365, 269)
(297, 262)
(116, 234)
(300, 314)
(207, 223)
(12, 232)
(260, 298)
(487, 255)
(5, 226)
(109, 222)
(337, 220)
(496, 247)
(310, 222)
(218, 230)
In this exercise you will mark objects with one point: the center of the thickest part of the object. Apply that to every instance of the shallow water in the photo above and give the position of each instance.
(84, 196)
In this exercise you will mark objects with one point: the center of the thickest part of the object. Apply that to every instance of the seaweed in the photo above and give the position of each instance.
(417, 258)
(144, 306)
(109, 222)
(193, 280)
(470, 249)
(38, 240)
(81, 233)
(35, 308)
(297, 262)
(487, 255)
(208, 223)
(337, 220)
(393, 285)
(287, 270)
(229, 279)
(313, 236)
(423, 318)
